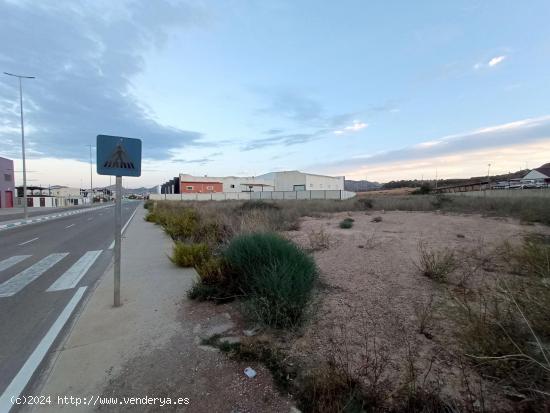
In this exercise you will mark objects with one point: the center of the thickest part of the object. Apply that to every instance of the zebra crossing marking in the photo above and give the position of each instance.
(25, 277)
(73, 275)
(11, 261)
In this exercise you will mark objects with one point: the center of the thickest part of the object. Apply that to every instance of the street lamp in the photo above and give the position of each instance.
(91, 181)
(25, 208)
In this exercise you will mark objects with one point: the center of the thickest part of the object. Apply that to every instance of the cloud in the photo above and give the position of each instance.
(357, 125)
(459, 165)
(85, 57)
(489, 138)
(285, 139)
(202, 161)
(293, 106)
(491, 63)
(496, 60)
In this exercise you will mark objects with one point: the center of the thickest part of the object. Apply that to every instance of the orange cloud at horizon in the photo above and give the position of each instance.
(459, 165)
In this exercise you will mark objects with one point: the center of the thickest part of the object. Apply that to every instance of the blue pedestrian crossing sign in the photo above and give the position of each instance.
(118, 156)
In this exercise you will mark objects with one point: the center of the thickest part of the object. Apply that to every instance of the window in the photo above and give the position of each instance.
(311, 185)
(7, 177)
(189, 188)
(209, 188)
(232, 186)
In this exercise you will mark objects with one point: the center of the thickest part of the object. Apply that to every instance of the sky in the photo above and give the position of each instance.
(376, 90)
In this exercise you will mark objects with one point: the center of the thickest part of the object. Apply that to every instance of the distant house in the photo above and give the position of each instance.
(7, 184)
(539, 175)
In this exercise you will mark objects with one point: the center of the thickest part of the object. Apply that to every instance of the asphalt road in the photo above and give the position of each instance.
(41, 268)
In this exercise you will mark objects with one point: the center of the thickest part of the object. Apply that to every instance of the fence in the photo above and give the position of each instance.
(267, 195)
(507, 193)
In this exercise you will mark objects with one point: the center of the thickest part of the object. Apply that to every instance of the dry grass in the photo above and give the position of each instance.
(436, 264)
(318, 240)
(499, 320)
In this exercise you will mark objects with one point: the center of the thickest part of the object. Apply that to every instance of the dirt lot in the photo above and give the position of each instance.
(373, 290)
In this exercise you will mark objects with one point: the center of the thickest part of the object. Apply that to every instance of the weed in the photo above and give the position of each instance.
(180, 225)
(189, 255)
(363, 204)
(533, 257)
(376, 219)
(505, 334)
(212, 270)
(423, 190)
(436, 265)
(318, 240)
(208, 292)
(424, 312)
(258, 204)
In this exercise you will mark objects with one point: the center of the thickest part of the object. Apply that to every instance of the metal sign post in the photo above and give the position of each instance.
(120, 157)
(118, 238)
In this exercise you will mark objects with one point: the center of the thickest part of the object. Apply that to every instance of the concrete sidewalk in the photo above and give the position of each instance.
(104, 337)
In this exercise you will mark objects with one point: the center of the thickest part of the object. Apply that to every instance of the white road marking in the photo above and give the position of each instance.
(26, 242)
(68, 226)
(22, 378)
(123, 229)
(73, 275)
(20, 281)
(89, 219)
(11, 261)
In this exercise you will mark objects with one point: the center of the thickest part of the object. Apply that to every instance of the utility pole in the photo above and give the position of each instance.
(436, 179)
(25, 206)
(488, 174)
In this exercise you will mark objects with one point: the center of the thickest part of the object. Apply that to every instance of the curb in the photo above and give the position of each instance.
(49, 217)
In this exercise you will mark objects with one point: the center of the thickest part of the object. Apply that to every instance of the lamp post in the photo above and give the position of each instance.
(25, 208)
(91, 182)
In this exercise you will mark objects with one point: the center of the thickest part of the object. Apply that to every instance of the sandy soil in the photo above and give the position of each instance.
(186, 368)
(372, 287)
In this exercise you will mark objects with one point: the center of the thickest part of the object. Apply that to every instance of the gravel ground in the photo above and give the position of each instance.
(371, 287)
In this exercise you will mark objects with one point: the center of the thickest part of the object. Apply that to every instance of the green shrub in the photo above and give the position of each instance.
(212, 270)
(363, 203)
(345, 224)
(258, 204)
(189, 255)
(207, 292)
(423, 190)
(180, 225)
(349, 219)
(276, 276)
(148, 204)
(151, 217)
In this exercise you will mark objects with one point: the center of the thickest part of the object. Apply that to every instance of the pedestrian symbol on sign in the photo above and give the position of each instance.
(119, 158)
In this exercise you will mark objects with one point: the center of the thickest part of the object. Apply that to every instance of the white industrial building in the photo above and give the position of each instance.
(302, 181)
(273, 181)
(538, 176)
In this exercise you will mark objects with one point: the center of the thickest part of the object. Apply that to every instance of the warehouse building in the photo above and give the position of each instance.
(539, 176)
(273, 181)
